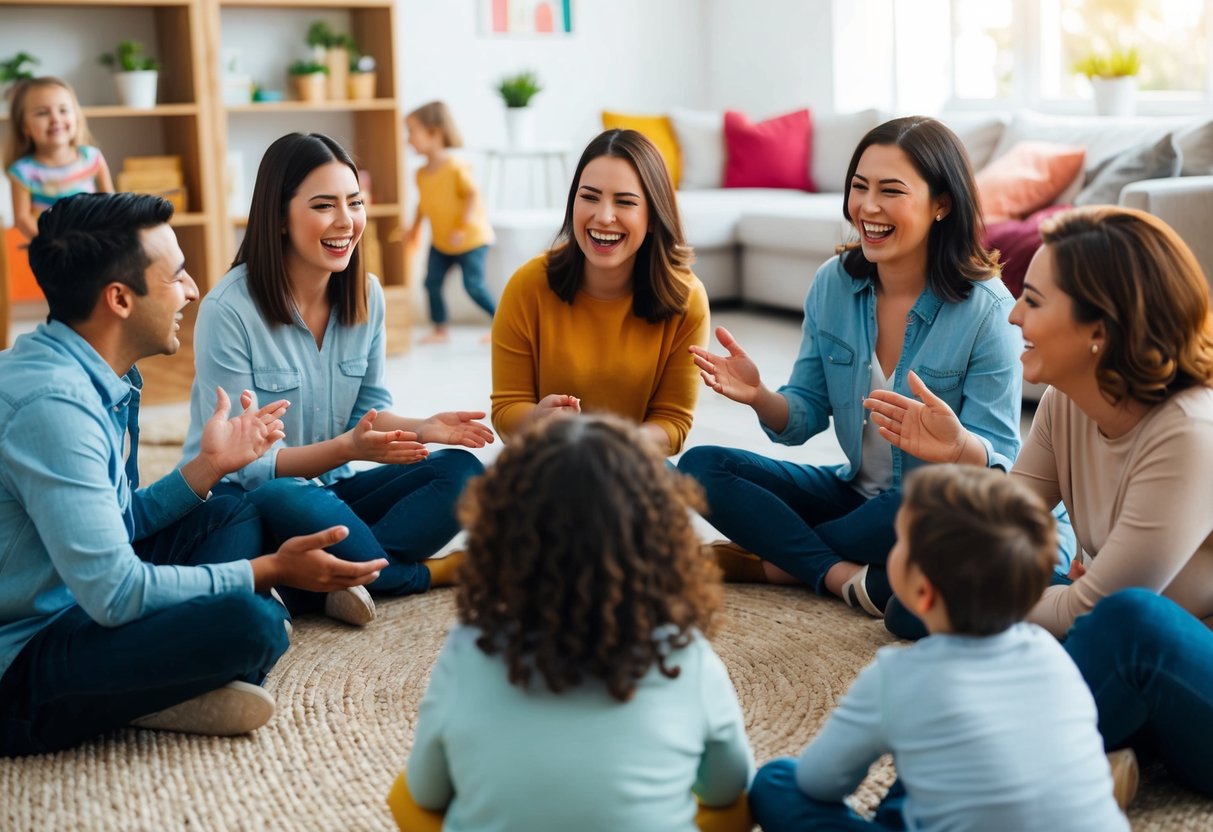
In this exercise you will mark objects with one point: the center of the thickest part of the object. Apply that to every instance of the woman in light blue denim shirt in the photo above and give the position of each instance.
(917, 302)
(298, 318)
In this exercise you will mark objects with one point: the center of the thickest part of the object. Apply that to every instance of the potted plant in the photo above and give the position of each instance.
(310, 80)
(517, 91)
(362, 78)
(135, 75)
(333, 50)
(1113, 77)
(15, 69)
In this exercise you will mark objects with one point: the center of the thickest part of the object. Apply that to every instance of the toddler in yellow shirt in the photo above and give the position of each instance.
(460, 234)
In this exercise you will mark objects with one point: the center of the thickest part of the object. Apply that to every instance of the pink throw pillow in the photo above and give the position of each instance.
(1026, 178)
(770, 154)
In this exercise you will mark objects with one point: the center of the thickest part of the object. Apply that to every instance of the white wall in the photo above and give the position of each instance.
(632, 55)
(768, 57)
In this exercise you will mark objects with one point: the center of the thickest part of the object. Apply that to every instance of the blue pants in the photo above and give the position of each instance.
(778, 804)
(76, 679)
(801, 518)
(471, 263)
(404, 513)
(1149, 665)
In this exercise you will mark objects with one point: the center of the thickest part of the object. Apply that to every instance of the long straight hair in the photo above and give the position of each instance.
(660, 279)
(19, 144)
(285, 165)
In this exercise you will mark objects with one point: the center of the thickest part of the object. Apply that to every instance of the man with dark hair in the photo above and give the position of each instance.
(105, 620)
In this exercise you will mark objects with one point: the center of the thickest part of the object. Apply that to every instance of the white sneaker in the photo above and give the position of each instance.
(235, 708)
(286, 622)
(353, 605)
(855, 593)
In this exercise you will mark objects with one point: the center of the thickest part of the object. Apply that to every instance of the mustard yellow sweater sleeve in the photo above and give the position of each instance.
(595, 350)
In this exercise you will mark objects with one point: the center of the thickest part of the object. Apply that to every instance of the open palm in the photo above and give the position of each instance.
(925, 427)
(735, 375)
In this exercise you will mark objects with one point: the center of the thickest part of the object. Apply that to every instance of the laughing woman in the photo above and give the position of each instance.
(605, 318)
(1115, 312)
(297, 317)
(918, 298)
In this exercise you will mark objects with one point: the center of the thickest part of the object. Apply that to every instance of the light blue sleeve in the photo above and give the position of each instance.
(223, 357)
(163, 502)
(428, 770)
(372, 393)
(838, 758)
(806, 392)
(727, 765)
(993, 386)
(68, 493)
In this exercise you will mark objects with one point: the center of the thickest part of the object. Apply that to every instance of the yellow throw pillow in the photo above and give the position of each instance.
(656, 129)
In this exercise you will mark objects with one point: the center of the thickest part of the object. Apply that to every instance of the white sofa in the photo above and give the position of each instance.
(763, 246)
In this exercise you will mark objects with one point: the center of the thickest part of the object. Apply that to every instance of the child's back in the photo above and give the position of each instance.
(988, 733)
(532, 759)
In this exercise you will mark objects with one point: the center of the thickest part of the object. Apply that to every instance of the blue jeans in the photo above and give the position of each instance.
(1149, 665)
(801, 518)
(471, 263)
(77, 679)
(778, 804)
(404, 513)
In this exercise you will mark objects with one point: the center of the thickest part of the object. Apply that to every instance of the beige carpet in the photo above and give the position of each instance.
(347, 701)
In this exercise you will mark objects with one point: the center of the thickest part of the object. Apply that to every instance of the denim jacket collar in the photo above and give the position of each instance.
(113, 389)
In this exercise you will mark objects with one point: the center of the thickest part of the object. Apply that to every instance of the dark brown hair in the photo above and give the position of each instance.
(437, 116)
(661, 278)
(21, 145)
(956, 257)
(285, 165)
(581, 558)
(1132, 273)
(985, 541)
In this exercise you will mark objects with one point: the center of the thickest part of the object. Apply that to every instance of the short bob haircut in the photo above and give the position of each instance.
(955, 256)
(437, 116)
(984, 540)
(285, 165)
(88, 241)
(661, 283)
(1132, 273)
(19, 144)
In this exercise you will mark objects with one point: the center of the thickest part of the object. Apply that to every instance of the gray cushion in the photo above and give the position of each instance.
(1196, 145)
(1155, 160)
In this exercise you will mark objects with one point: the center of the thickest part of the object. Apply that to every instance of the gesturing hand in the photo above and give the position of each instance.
(399, 447)
(230, 444)
(927, 429)
(303, 563)
(456, 427)
(735, 375)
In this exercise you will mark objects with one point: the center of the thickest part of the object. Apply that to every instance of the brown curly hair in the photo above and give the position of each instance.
(1131, 272)
(581, 558)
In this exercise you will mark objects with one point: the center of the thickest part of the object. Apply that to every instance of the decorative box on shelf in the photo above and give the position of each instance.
(158, 175)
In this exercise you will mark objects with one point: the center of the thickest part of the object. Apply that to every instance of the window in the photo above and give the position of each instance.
(1025, 51)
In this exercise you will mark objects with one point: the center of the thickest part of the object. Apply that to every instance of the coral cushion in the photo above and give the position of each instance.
(1016, 242)
(1026, 178)
(770, 154)
(656, 129)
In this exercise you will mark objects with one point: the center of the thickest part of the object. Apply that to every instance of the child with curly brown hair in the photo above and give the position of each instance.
(578, 690)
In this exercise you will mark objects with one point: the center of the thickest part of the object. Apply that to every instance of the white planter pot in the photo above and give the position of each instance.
(137, 90)
(1115, 96)
(520, 126)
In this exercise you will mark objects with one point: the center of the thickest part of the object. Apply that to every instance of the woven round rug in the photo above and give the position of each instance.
(347, 705)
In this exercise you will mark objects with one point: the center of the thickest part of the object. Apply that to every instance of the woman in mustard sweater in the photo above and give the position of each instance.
(604, 320)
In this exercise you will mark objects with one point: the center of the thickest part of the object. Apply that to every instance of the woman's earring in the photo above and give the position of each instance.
(938, 217)
(1094, 349)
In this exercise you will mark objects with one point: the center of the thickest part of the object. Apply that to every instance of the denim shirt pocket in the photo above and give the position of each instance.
(276, 380)
(943, 383)
(838, 361)
(346, 386)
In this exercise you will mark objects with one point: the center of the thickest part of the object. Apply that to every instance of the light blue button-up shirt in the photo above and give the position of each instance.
(68, 515)
(329, 388)
(967, 353)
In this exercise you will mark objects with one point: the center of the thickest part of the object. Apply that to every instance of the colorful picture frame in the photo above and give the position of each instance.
(533, 18)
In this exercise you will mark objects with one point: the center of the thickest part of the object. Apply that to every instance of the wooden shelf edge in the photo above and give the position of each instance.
(111, 4)
(346, 105)
(311, 4)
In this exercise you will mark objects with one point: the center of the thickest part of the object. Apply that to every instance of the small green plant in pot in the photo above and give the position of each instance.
(362, 77)
(333, 49)
(517, 91)
(1113, 77)
(17, 68)
(310, 79)
(135, 74)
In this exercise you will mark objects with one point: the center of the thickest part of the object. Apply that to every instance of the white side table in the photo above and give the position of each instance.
(545, 168)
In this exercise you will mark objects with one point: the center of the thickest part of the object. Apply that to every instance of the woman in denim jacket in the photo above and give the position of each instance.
(298, 318)
(916, 304)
